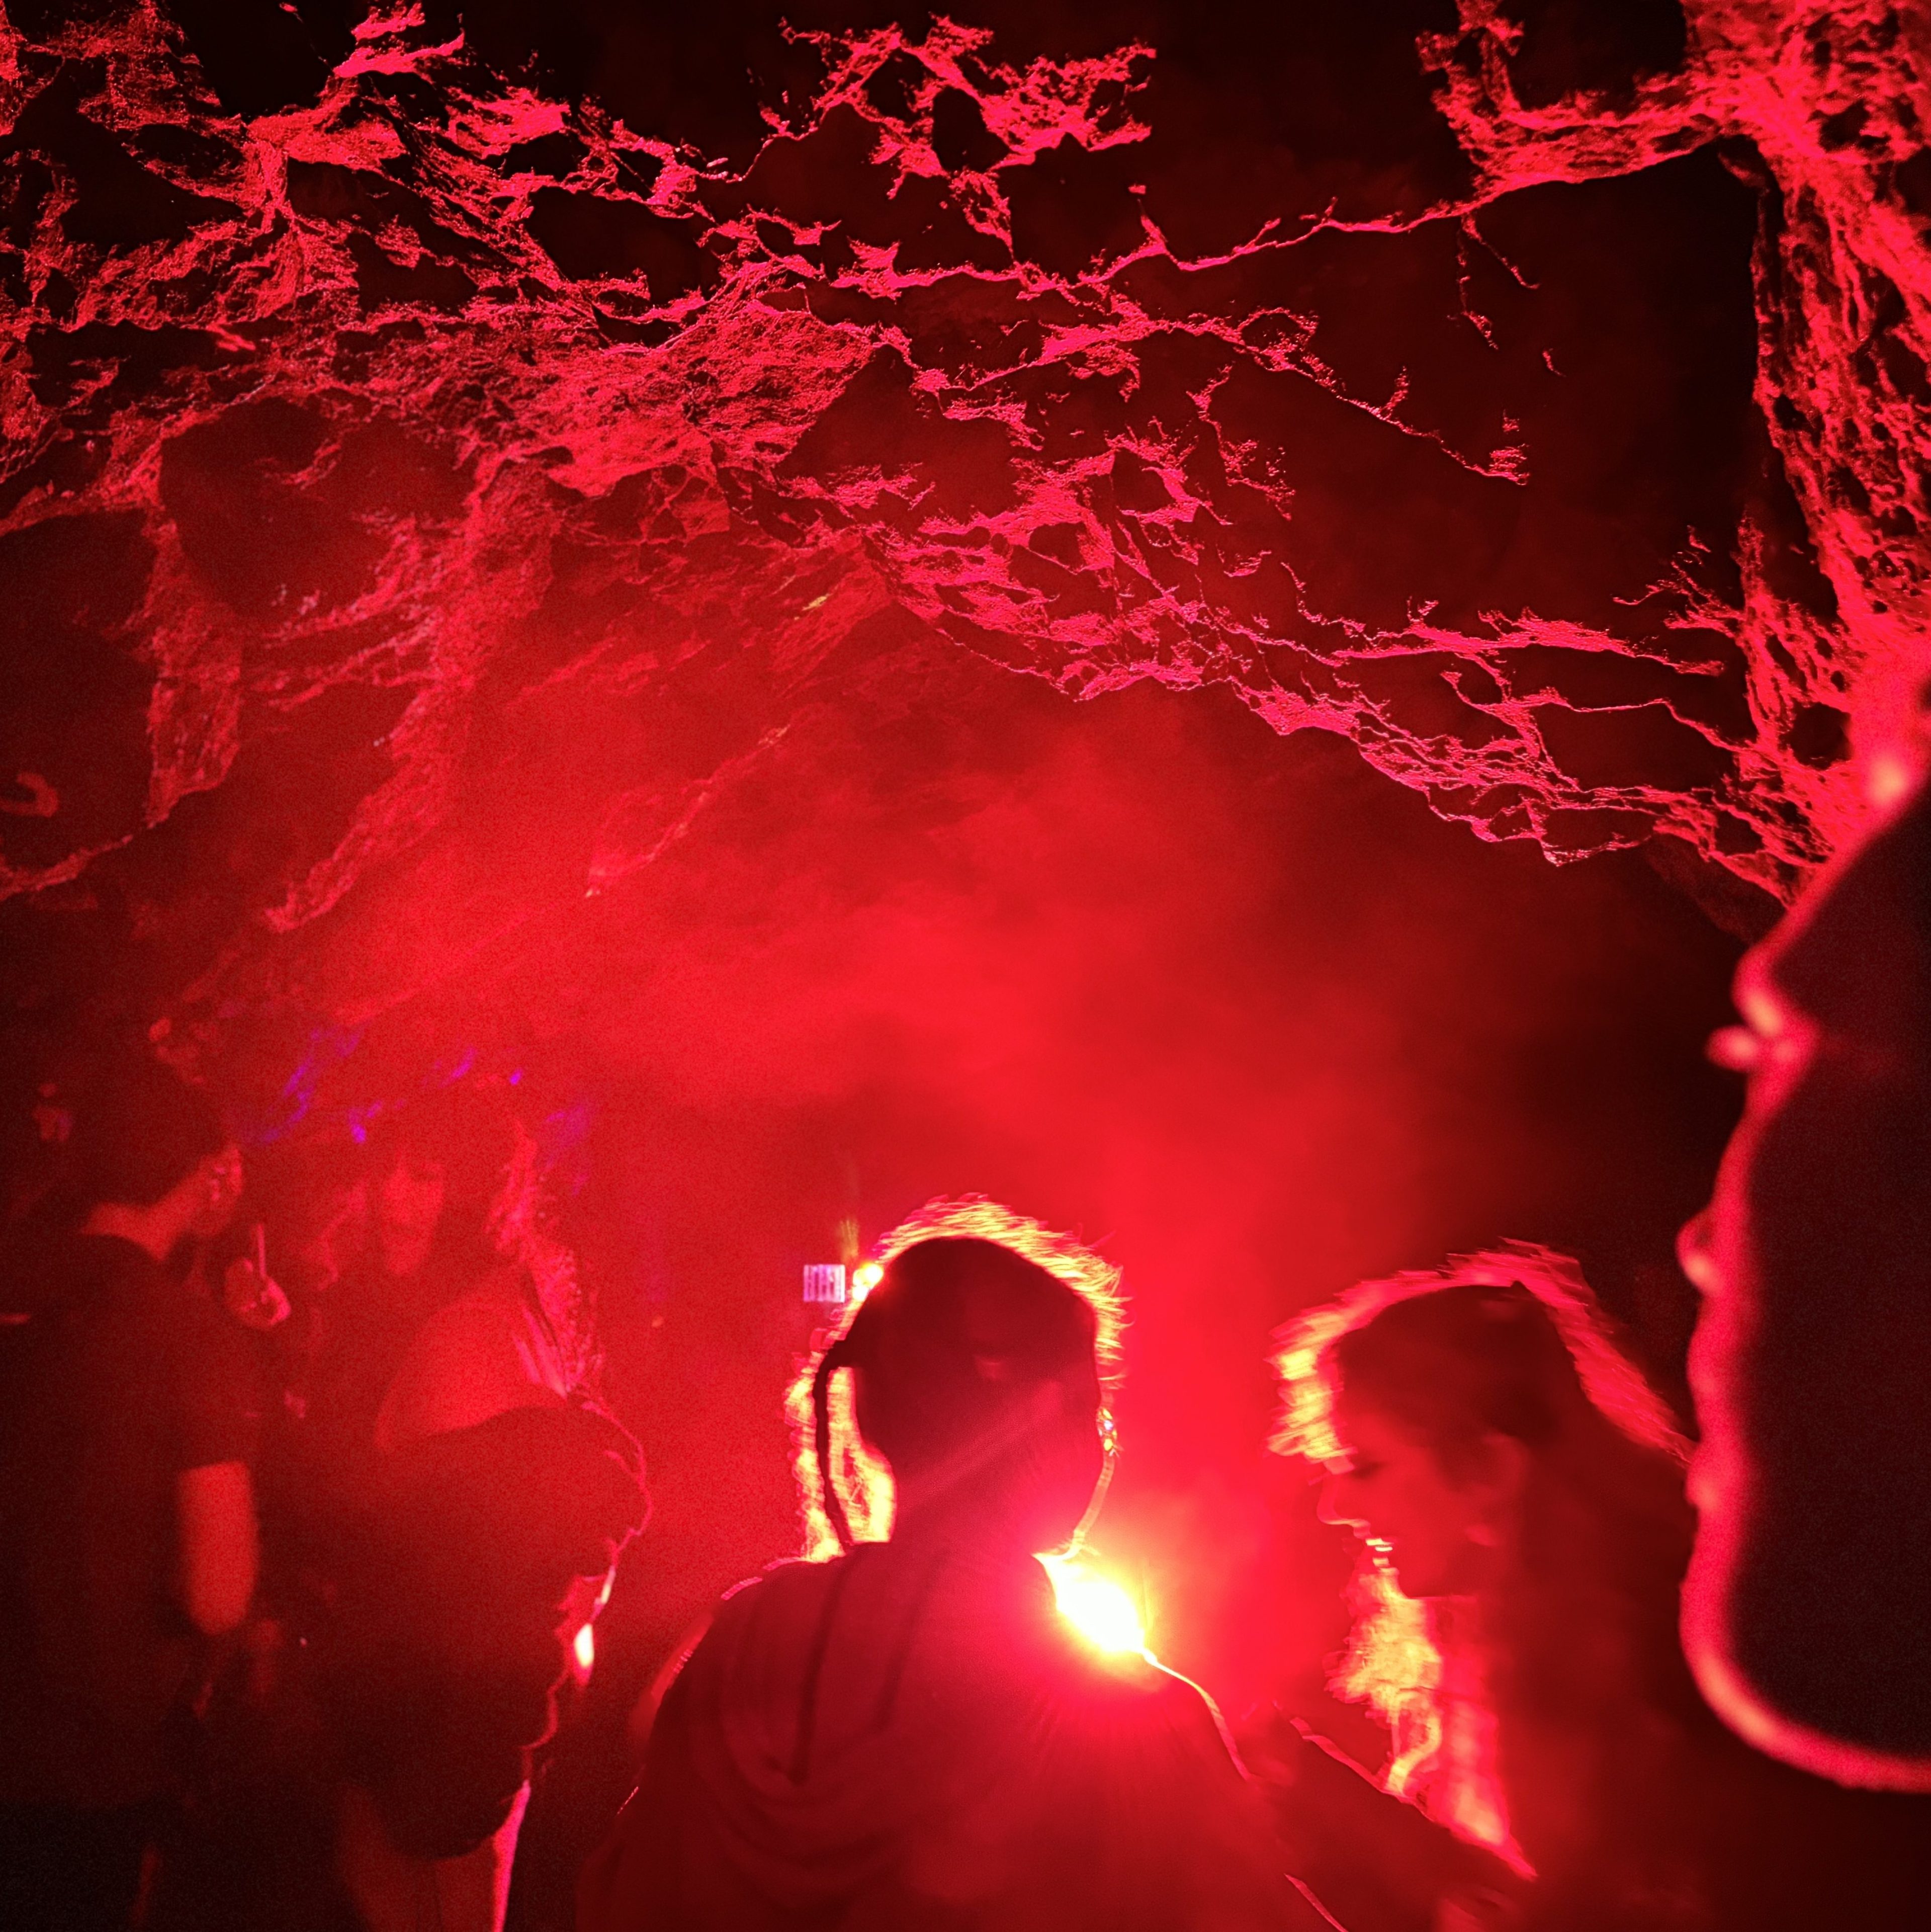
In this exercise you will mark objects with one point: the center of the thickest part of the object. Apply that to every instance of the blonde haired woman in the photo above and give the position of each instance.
(1519, 1491)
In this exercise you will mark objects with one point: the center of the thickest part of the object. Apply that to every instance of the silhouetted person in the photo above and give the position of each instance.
(127, 1519)
(468, 1502)
(1520, 1492)
(908, 1735)
(431, 1172)
(1808, 1614)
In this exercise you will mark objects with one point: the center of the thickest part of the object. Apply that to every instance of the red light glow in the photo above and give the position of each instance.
(1102, 1610)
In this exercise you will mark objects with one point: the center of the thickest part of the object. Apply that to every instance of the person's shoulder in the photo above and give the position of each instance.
(202, 1340)
(788, 1581)
(495, 1304)
(476, 1357)
(1140, 1694)
(127, 1306)
(491, 1323)
(737, 1624)
(779, 1598)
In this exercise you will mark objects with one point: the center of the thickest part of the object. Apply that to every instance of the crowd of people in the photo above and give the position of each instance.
(1625, 1686)
(310, 1568)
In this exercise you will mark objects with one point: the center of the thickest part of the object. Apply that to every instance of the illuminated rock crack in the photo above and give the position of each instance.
(562, 460)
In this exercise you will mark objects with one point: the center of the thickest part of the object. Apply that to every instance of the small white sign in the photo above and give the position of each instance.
(825, 1283)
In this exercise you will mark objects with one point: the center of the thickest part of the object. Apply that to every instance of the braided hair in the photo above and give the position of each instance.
(978, 1313)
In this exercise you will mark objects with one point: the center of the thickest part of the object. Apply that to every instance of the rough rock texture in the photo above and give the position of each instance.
(443, 455)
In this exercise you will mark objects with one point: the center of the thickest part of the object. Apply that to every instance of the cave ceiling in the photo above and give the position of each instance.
(449, 449)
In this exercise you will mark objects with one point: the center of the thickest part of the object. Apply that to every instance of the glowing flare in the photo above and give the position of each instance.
(1890, 777)
(583, 1647)
(1096, 1606)
(866, 1276)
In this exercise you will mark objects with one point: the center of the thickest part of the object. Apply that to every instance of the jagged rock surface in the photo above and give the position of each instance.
(444, 462)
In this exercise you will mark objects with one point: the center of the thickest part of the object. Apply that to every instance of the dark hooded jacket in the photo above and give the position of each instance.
(911, 1736)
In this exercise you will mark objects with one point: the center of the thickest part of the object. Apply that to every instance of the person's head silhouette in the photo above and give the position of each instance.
(1807, 1614)
(975, 1394)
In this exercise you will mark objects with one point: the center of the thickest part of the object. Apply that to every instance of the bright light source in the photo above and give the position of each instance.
(583, 1646)
(866, 1276)
(1095, 1605)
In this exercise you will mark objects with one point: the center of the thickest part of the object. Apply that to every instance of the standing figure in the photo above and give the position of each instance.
(1519, 1490)
(467, 1504)
(906, 1734)
(127, 1516)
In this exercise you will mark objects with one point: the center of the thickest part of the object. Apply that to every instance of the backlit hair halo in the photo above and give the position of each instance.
(1440, 1735)
(847, 1489)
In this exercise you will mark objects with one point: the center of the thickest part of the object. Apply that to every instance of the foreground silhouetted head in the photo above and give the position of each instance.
(1808, 1613)
(975, 1386)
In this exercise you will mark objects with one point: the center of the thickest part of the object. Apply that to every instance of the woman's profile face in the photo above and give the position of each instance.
(409, 1207)
(1390, 1488)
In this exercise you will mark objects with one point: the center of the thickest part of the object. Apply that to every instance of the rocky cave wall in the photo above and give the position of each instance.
(445, 448)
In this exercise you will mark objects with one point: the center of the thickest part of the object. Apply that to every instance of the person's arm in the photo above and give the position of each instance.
(1234, 1876)
(636, 1877)
(214, 1515)
(1377, 1862)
